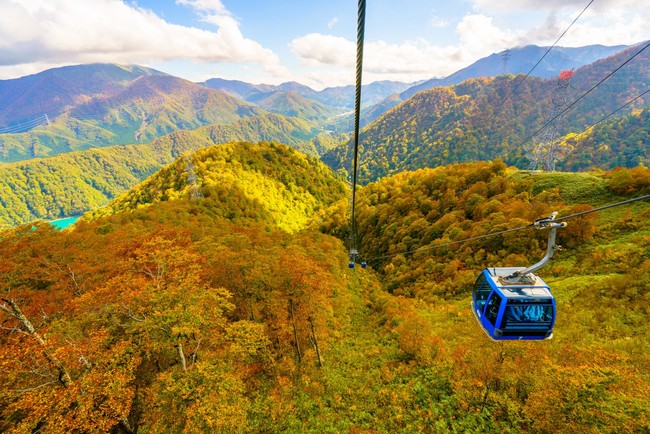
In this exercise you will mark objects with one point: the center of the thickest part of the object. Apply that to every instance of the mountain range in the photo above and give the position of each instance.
(207, 286)
(341, 97)
(55, 91)
(474, 120)
(521, 60)
(485, 118)
(73, 183)
(148, 106)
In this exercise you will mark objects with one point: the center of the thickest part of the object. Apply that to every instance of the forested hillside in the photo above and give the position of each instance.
(264, 182)
(618, 142)
(169, 317)
(74, 183)
(473, 121)
(422, 211)
(56, 90)
(293, 105)
(149, 107)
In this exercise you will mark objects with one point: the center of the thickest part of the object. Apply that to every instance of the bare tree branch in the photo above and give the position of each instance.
(196, 350)
(14, 310)
(72, 276)
(34, 388)
(128, 312)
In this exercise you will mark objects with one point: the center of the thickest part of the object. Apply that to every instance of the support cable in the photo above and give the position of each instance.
(538, 62)
(357, 111)
(582, 96)
(520, 228)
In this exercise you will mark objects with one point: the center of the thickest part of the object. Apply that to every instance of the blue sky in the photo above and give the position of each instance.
(310, 41)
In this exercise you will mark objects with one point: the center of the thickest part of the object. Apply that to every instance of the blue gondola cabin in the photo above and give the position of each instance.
(513, 311)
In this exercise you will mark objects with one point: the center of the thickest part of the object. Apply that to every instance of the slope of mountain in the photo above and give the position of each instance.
(619, 142)
(450, 124)
(71, 184)
(55, 91)
(373, 93)
(265, 181)
(238, 88)
(148, 107)
(170, 316)
(520, 61)
(420, 210)
(323, 143)
(293, 105)
(345, 123)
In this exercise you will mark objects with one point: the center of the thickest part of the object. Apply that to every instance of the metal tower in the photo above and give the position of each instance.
(545, 151)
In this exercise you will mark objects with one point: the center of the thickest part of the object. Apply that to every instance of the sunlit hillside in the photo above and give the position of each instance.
(74, 183)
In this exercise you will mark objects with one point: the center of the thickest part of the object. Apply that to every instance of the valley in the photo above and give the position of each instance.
(205, 285)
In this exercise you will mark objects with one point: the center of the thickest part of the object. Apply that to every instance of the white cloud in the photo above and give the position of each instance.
(523, 5)
(64, 32)
(318, 49)
(206, 6)
(409, 60)
(575, 6)
(438, 23)
(331, 23)
(478, 35)
(607, 22)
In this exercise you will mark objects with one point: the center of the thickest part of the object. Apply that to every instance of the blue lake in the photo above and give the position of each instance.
(64, 223)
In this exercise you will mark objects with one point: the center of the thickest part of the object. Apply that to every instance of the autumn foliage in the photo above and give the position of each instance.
(169, 316)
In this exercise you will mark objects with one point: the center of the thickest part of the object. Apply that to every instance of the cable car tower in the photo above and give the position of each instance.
(544, 153)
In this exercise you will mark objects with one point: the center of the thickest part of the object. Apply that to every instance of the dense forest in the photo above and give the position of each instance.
(259, 182)
(180, 312)
(619, 142)
(74, 183)
(486, 118)
(206, 287)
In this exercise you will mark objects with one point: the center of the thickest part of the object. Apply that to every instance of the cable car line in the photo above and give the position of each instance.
(361, 22)
(520, 228)
(636, 199)
(451, 243)
(16, 128)
(471, 182)
(498, 109)
(512, 303)
(620, 108)
(520, 145)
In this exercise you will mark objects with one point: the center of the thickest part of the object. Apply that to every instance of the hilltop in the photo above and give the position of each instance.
(264, 182)
(293, 105)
